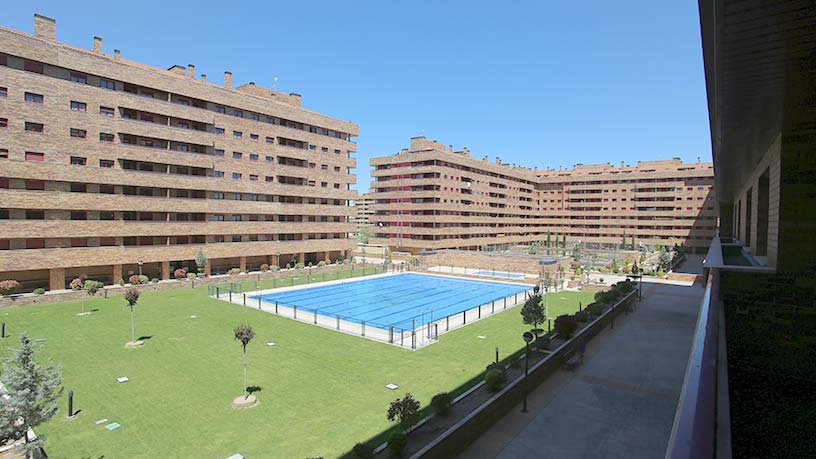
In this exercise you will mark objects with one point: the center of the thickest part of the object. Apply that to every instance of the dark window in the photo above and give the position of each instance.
(219, 131)
(106, 84)
(79, 106)
(79, 242)
(107, 241)
(107, 189)
(34, 127)
(79, 188)
(35, 243)
(218, 153)
(105, 137)
(77, 215)
(35, 67)
(79, 133)
(79, 78)
(34, 98)
(4, 153)
(106, 111)
(78, 161)
(35, 215)
(237, 134)
(3, 122)
(253, 157)
(106, 163)
(270, 140)
(237, 155)
(3, 92)
(236, 176)
(37, 185)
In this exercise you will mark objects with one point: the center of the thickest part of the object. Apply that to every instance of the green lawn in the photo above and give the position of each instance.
(321, 391)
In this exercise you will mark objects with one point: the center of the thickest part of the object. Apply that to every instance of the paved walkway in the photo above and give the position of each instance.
(621, 402)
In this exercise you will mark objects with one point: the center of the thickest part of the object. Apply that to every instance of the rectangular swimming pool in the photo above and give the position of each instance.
(402, 301)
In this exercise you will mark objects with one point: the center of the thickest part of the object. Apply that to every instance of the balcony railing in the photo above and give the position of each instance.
(702, 425)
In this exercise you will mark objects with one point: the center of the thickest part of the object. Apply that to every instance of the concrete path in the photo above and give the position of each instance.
(621, 402)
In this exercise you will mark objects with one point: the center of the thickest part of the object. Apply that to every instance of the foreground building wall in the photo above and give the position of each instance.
(431, 197)
(106, 162)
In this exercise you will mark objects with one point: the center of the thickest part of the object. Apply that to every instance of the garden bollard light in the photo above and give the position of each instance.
(70, 404)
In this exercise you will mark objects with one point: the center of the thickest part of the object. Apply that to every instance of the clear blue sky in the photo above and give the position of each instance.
(539, 83)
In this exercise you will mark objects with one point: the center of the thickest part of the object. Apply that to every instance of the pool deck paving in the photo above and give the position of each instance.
(621, 402)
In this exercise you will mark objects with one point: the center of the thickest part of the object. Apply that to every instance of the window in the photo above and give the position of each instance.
(324, 149)
(253, 178)
(34, 98)
(220, 109)
(4, 153)
(3, 92)
(34, 127)
(105, 137)
(106, 163)
(106, 111)
(79, 78)
(3, 122)
(183, 102)
(79, 242)
(254, 116)
(79, 188)
(78, 133)
(219, 131)
(336, 152)
(33, 67)
(237, 155)
(218, 218)
(35, 185)
(238, 113)
(79, 106)
(107, 189)
(324, 167)
(337, 168)
(77, 215)
(78, 160)
(35, 215)
(218, 174)
(36, 157)
(107, 241)
(35, 243)
(106, 84)
(253, 137)
(237, 134)
(236, 176)
(183, 125)
(270, 179)
(253, 157)
(268, 139)
(312, 147)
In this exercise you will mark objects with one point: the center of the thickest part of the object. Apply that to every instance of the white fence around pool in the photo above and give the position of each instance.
(420, 334)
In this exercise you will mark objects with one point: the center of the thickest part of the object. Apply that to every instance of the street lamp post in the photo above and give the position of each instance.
(528, 338)
(140, 268)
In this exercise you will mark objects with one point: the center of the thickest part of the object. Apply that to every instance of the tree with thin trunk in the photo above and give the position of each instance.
(33, 390)
(91, 287)
(132, 297)
(201, 262)
(244, 333)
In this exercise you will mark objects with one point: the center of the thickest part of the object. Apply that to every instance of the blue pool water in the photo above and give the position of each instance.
(503, 275)
(399, 301)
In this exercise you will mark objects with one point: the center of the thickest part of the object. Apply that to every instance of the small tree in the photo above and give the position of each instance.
(34, 390)
(91, 287)
(180, 273)
(663, 259)
(7, 287)
(363, 234)
(132, 297)
(532, 313)
(404, 410)
(201, 262)
(76, 284)
(244, 333)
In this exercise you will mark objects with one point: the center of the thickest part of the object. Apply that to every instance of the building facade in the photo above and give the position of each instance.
(362, 206)
(109, 167)
(431, 197)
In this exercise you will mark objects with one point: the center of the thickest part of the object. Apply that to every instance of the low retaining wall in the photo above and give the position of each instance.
(513, 263)
(161, 286)
(458, 437)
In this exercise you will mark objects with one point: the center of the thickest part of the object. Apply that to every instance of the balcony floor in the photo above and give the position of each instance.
(621, 402)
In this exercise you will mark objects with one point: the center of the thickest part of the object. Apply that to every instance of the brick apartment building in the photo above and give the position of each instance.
(431, 197)
(362, 206)
(106, 163)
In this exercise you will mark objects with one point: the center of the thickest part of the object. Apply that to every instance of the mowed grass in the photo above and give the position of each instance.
(321, 391)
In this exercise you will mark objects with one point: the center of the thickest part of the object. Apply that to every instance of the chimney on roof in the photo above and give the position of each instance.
(203, 78)
(485, 158)
(97, 45)
(228, 80)
(498, 160)
(45, 27)
(116, 54)
(621, 164)
(191, 71)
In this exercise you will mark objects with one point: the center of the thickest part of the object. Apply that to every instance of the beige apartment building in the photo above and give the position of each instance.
(109, 167)
(362, 206)
(431, 197)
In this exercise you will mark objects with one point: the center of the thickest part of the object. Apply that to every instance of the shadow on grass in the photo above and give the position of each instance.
(144, 338)
(253, 389)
